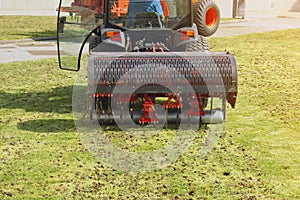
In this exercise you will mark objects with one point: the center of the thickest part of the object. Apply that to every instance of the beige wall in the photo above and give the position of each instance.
(38, 5)
(23, 5)
(261, 8)
(296, 6)
(253, 8)
(225, 8)
(268, 7)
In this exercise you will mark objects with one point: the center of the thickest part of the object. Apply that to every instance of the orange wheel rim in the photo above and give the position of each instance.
(211, 17)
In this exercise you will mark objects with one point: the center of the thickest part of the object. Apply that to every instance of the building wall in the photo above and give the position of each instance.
(255, 8)
(268, 7)
(226, 8)
(252, 8)
(29, 5)
(50, 5)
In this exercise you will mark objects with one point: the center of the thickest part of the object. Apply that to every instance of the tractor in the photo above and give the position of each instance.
(148, 66)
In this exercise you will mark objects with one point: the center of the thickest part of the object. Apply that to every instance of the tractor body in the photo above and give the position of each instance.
(136, 63)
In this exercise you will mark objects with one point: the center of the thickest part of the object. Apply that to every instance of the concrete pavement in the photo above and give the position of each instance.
(242, 27)
(21, 50)
(30, 49)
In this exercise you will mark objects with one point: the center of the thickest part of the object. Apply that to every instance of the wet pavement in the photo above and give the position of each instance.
(29, 49)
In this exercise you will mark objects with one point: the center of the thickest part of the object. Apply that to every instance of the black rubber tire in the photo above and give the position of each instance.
(93, 42)
(200, 10)
(199, 45)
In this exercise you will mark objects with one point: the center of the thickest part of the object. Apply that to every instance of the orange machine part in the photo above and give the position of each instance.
(88, 3)
(211, 17)
(165, 8)
(120, 8)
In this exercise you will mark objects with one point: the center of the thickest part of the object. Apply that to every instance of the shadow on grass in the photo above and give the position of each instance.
(47, 125)
(58, 100)
(34, 35)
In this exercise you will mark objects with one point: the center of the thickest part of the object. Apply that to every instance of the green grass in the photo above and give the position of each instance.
(22, 27)
(267, 117)
(257, 156)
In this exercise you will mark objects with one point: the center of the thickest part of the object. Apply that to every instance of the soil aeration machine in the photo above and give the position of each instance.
(147, 58)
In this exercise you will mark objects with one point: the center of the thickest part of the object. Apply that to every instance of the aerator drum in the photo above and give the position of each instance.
(129, 86)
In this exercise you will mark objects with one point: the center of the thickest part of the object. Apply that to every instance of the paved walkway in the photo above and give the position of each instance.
(242, 27)
(30, 50)
(20, 50)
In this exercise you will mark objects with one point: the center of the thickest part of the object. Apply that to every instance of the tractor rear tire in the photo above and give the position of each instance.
(199, 45)
(93, 42)
(206, 16)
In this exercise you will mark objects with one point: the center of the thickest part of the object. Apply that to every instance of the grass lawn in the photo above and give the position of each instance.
(21, 27)
(257, 156)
